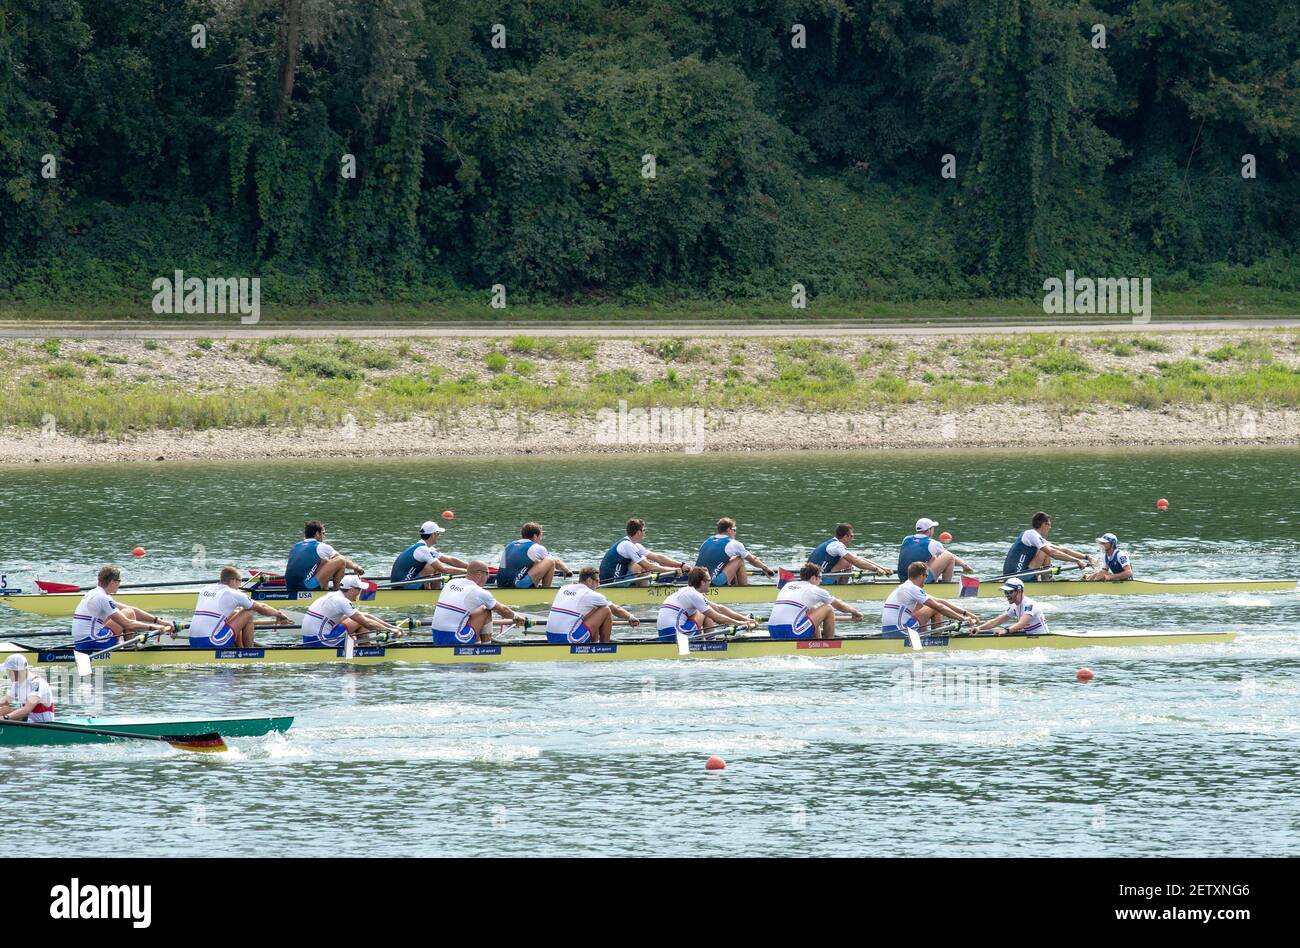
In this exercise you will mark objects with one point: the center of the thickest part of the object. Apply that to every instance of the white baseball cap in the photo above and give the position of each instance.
(351, 582)
(1013, 585)
(925, 523)
(429, 527)
(1108, 538)
(16, 663)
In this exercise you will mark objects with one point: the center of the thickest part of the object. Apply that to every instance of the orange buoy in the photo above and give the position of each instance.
(138, 551)
(715, 763)
(448, 515)
(1162, 504)
(945, 537)
(1084, 674)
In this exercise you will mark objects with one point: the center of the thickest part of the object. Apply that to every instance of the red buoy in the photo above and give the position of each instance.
(138, 551)
(1162, 504)
(1084, 674)
(448, 515)
(715, 763)
(945, 537)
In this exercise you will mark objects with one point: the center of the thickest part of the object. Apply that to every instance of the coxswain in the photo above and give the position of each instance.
(910, 606)
(335, 615)
(804, 609)
(423, 561)
(629, 557)
(922, 547)
(463, 615)
(725, 557)
(1030, 557)
(314, 564)
(1115, 564)
(526, 564)
(833, 556)
(1025, 615)
(30, 697)
(99, 623)
(689, 612)
(581, 613)
(223, 614)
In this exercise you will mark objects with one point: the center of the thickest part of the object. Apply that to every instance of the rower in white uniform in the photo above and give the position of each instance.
(689, 612)
(464, 612)
(99, 623)
(1025, 615)
(910, 606)
(30, 697)
(422, 560)
(629, 557)
(335, 615)
(1030, 557)
(582, 614)
(223, 614)
(806, 610)
(922, 547)
(1115, 564)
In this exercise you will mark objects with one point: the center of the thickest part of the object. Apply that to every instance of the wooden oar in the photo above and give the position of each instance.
(198, 743)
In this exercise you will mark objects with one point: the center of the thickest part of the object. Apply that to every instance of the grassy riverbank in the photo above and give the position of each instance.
(1226, 300)
(112, 389)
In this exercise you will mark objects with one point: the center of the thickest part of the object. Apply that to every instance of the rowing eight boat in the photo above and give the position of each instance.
(745, 646)
(68, 730)
(182, 601)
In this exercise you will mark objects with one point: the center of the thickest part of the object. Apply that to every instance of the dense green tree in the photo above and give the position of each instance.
(776, 162)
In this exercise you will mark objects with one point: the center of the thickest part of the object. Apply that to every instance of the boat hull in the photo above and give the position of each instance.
(226, 727)
(181, 602)
(756, 647)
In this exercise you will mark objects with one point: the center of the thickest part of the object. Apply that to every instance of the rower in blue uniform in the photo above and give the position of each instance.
(1115, 565)
(922, 547)
(833, 556)
(423, 561)
(526, 564)
(725, 557)
(1030, 557)
(314, 564)
(628, 557)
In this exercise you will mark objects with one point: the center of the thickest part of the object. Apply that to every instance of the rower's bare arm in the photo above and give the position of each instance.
(504, 611)
(861, 562)
(624, 614)
(840, 605)
(755, 561)
(667, 562)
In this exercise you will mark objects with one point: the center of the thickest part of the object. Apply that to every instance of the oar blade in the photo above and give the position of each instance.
(82, 661)
(913, 638)
(212, 743)
(45, 585)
